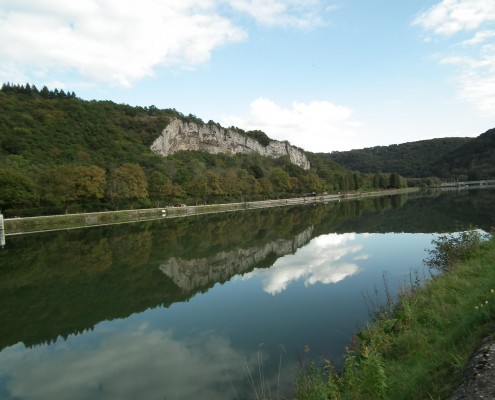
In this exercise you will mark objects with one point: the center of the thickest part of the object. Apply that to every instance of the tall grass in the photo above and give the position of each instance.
(419, 347)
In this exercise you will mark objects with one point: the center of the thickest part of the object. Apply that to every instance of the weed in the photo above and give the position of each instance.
(453, 248)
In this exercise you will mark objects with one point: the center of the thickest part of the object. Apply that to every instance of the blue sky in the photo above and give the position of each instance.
(324, 75)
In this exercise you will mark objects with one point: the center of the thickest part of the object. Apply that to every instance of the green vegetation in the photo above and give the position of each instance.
(59, 153)
(419, 159)
(474, 160)
(425, 338)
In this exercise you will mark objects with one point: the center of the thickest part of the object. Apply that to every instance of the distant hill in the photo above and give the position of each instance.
(475, 159)
(413, 159)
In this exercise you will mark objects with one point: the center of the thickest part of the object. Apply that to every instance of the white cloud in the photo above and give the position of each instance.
(473, 57)
(121, 41)
(451, 16)
(321, 261)
(296, 13)
(316, 126)
(479, 38)
(132, 364)
(117, 42)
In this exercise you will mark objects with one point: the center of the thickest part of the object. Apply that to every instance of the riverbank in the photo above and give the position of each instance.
(81, 220)
(419, 347)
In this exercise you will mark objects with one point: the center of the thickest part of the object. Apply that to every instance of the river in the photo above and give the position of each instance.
(224, 306)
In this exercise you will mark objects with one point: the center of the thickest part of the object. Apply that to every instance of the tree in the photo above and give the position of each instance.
(162, 188)
(90, 182)
(16, 189)
(312, 183)
(357, 182)
(231, 183)
(205, 186)
(67, 184)
(128, 182)
(280, 180)
(395, 181)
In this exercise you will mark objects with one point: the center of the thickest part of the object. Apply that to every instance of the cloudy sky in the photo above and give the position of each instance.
(324, 74)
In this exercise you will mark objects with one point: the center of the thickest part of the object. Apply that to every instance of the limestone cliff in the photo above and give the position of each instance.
(194, 274)
(180, 135)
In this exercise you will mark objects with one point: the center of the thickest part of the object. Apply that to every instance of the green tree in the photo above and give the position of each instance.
(265, 187)
(395, 181)
(356, 180)
(161, 188)
(231, 183)
(280, 180)
(66, 184)
(90, 182)
(128, 182)
(205, 186)
(16, 189)
(312, 183)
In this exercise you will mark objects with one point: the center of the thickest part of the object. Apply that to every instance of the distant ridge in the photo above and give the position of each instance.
(455, 157)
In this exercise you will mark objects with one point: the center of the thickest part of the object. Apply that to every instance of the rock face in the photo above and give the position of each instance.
(180, 135)
(190, 275)
(479, 377)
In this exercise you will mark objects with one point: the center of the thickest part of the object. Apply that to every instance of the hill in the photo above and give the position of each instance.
(475, 159)
(60, 153)
(413, 159)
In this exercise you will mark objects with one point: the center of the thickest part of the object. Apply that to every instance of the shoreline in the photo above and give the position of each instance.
(26, 225)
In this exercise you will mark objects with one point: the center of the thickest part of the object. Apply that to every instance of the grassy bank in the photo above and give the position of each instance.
(418, 347)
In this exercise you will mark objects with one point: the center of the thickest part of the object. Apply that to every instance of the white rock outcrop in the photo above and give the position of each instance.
(180, 135)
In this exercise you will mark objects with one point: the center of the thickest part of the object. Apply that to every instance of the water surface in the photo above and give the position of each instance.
(191, 308)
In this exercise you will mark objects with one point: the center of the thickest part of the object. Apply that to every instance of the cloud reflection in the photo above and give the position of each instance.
(322, 260)
(132, 364)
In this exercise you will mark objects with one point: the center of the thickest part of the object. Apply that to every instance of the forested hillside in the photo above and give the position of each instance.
(59, 153)
(414, 159)
(475, 159)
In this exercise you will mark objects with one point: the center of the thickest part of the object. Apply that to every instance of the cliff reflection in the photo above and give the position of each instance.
(59, 283)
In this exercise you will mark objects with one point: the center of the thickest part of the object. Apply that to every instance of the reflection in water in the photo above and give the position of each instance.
(151, 310)
(322, 260)
(137, 363)
(197, 273)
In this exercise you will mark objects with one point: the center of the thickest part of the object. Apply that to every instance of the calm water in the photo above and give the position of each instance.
(191, 308)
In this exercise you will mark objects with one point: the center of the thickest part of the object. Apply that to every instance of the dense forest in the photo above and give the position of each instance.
(414, 159)
(60, 153)
(446, 158)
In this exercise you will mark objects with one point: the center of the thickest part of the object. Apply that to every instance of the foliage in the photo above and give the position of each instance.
(474, 160)
(76, 155)
(260, 136)
(16, 189)
(451, 249)
(414, 159)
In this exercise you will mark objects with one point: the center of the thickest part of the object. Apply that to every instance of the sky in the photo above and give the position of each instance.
(326, 75)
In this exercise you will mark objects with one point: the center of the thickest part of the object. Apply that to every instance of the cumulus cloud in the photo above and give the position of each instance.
(297, 13)
(112, 41)
(473, 57)
(451, 16)
(135, 363)
(322, 260)
(314, 126)
(121, 41)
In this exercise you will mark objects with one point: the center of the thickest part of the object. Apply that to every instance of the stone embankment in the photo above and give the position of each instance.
(70, 221)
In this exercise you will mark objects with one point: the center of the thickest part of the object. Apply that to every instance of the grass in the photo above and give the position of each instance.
(417, 347)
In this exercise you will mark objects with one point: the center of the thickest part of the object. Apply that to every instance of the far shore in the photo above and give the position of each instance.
(16, 226)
